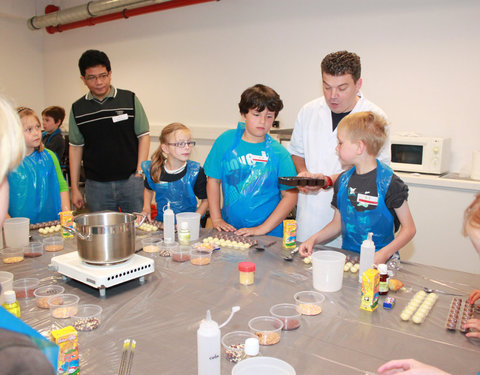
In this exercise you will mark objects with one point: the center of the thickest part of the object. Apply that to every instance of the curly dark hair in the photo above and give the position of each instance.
(342, 62)
(91, 58)
(260, 97)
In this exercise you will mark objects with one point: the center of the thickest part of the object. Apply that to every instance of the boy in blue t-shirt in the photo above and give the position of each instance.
(247, 163)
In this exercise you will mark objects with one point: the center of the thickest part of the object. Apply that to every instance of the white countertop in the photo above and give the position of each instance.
(450, 180)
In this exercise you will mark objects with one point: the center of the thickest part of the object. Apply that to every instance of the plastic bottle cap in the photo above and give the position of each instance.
(252, 346)
(382, 268)
(183, 225)
(10, 296)
(246, 266)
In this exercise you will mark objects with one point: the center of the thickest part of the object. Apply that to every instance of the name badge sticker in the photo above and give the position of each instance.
(119, 118)
(367, 199)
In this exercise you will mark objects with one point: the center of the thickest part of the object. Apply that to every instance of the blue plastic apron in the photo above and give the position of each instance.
(356, 225)
(12, 323)
(250, 185)
(179, 193)
(34, 189)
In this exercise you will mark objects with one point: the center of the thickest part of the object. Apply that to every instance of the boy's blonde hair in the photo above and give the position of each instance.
(12, 142)
(158, 158)
(368, 127)
(472, 215)
(25, 112)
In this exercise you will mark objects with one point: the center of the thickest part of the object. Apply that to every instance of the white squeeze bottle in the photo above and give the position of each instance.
(208, 344)
(168, 224)
(367, 254)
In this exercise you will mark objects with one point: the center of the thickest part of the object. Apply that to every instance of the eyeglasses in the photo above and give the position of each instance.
(100, 77)
(183, 144)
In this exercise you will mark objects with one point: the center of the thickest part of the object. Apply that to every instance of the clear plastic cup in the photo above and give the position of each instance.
(200, 257)
(12, 255)
(6, 283)
(54, 243)
(151, 244)
(288, 313)
(63, 306)
(16, 231)
(233, 344)
(43, 293)
(180, 253)
(87, 318)
(267, 329)
(33, 250)
(24, 288)
(309, 302)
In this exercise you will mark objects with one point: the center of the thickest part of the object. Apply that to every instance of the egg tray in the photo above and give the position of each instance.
(454, 312)
(301, 181)
(45, 224)
(226, 239)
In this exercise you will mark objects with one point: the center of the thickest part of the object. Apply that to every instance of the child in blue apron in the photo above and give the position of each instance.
(368, 197)
(52, 138)
(172, 176)
(246, 163)
(37, 187)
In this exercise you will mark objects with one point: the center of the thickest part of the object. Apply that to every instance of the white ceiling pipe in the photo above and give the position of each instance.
(81, 12)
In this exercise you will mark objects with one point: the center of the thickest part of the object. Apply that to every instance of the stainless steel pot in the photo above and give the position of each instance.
(105, 237)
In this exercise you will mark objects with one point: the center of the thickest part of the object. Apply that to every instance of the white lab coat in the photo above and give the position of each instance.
(313, 140)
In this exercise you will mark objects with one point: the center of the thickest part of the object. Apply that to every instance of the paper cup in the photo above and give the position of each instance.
(328, 270)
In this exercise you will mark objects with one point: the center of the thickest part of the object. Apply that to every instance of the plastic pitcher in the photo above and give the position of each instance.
(16, 231)
(328, 270)
(193, 220)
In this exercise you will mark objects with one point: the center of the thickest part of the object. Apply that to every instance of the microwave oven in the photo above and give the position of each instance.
(411, 153)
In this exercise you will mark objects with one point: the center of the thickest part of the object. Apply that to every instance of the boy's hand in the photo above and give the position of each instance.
(408, 366)
(305, 249)
(475, 295)
(475, 324)
(220, 224)
(254, 231)
(309, 189)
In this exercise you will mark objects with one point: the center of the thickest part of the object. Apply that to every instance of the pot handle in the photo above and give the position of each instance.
(75, 233)
(144, 217)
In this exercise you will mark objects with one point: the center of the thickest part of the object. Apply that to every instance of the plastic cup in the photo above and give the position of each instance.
(180, 253)
(288, 313)
(54, 243)
(87, 317)
(43, 293)
(16, 231)
(151, 244)
(309, 302)
(6, 283)
(193, 220)
(200, 257)
(12, 255)
(267, 328)
(63, 306)
(24, 288)
(33, 249)
(328, 270)
(234, 344)
(262, 366)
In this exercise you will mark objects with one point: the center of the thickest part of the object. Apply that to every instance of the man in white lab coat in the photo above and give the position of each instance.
(314, 138)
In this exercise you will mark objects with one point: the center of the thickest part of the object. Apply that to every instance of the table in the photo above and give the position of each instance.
(163, 315)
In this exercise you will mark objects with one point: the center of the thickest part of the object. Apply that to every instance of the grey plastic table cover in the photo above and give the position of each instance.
(163, 315)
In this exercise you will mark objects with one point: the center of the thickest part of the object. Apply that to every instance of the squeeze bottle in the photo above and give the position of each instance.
(208, 344)
(11, 304)
(367, 254)
(168, 224)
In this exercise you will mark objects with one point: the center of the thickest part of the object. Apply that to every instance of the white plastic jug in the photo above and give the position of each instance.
(328, 270)
(193, 220)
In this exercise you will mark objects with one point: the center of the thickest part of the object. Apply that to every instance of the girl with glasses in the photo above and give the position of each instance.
(172, 176)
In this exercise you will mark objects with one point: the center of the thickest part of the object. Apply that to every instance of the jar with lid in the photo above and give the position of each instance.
(246, 273)
(383, 284)
(184, 234)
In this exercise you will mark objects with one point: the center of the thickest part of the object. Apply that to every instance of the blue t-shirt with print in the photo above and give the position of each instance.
(249, 174)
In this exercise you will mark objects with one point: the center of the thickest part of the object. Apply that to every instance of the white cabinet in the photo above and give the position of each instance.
(437, 205)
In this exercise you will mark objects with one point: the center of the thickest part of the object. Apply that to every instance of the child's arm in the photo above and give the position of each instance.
(331, 230)
(202, 207)
(147, 201)
(65, 200)
(213, 194)
(475, 324)
(286, 204)
(404, 235)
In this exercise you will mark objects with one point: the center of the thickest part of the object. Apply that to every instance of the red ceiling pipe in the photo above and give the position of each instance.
(126, 13)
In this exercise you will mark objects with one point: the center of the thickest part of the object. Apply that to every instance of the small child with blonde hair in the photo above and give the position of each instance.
(37, 187)
(172, 176)
(368, 197)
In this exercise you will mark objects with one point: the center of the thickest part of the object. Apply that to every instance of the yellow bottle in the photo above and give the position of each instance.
(11, 304)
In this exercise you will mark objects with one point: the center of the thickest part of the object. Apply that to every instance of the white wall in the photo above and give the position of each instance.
(420, 60)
